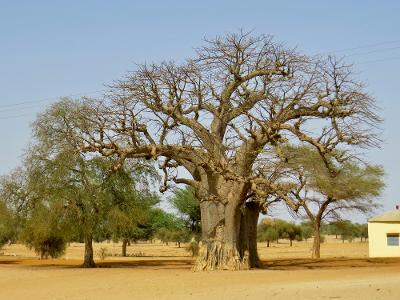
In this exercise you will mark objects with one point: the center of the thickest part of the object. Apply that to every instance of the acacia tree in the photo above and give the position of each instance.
(218, 115)
(325, 194)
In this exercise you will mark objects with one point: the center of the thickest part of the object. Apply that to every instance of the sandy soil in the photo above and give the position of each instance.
(164, 272)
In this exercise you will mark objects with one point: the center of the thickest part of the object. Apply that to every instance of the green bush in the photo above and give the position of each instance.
(42, 233)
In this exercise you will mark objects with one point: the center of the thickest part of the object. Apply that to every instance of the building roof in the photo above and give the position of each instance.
(391, 216)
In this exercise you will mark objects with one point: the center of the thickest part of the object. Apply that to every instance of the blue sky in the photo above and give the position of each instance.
(50, 49)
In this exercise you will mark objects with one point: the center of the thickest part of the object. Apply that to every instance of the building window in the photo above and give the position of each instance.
(392, 239)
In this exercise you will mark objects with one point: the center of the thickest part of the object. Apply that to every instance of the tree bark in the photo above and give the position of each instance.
(88, 261)
(124, 245)
(219, 246)
(248, 233)
(316, 250)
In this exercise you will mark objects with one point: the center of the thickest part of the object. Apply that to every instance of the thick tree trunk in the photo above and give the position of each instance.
(124, 245)
(267, 243)
(248, 233)
(291, 242)
(219, 247)
(229, 236)
(88, 261)
(316, 250)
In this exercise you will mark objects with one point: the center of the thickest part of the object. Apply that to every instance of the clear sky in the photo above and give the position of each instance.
(53, 48)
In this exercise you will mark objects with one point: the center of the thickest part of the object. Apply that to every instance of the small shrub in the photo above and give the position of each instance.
(51, 246)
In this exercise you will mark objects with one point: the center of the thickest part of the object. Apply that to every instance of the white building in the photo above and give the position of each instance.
(384, 234)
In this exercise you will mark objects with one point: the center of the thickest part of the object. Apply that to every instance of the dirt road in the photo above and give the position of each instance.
(170, 277)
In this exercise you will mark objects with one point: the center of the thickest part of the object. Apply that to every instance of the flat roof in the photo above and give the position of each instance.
(391, 216)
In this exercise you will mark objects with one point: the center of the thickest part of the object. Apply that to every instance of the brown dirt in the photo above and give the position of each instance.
(344, 272)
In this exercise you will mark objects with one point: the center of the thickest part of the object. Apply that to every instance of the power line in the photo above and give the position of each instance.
(17, 116)
(48, 99)
(17, 106)
(378, 60)
(361, 47)
(372, 51)
(12, 109)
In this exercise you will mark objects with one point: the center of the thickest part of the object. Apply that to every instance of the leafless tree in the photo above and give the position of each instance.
(218, 116)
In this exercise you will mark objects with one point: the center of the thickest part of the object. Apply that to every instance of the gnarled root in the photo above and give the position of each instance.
(216, 255)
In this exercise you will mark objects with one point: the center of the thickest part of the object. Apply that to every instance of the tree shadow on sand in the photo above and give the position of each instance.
(187, 263)
(328, 263)
(154, 264)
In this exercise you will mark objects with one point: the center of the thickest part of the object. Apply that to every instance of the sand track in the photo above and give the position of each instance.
(170, 277)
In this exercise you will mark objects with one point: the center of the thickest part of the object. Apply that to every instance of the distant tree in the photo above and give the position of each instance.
(273, 229)
(181, 235)
(292, 232)
(267, 233)
(363, 230)
(332, 228)
(325, 193)
(188, 207)
(169, 228)
(306, 230)
(347, 230)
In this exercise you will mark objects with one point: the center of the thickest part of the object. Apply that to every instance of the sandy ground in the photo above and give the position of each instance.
(164, 272)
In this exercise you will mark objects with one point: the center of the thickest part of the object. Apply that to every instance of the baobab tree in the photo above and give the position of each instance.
(217, 116)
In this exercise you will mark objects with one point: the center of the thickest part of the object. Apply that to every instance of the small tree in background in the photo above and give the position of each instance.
(306, 230)
(169, 228)
(363, 230)
(267, 233)
(347, 230)
(273, 229)
(188, 207)
(292, 232)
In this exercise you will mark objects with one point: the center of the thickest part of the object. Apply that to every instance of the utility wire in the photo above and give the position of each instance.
(378, 60)
(372, 51)
(15, 107)
(49, 99)
(17, 116)
(361, 47)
